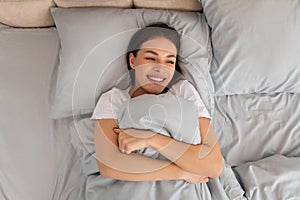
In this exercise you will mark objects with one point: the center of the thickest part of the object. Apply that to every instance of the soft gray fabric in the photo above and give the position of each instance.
(82, 139)
(99, 187)
(251, 127)
(166, 114)
(92, 58)
(226, 187)
(276, 177)
(70, 180)
(28, 148)
(256, 45)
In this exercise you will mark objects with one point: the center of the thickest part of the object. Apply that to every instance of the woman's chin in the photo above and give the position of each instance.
(154, 88)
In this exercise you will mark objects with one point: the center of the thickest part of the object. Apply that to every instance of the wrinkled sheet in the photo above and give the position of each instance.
(157, 113)
(254, 126)
(275, 177)
(259, 138)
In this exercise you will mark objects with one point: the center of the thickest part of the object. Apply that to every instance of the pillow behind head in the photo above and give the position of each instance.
(93, 47)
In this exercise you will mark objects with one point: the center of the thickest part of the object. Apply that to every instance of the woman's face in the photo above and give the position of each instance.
(154, 65)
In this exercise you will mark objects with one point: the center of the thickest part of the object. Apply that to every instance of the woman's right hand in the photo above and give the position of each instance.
(194, 178)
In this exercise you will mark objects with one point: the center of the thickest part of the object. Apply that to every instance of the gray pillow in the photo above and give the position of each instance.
(166, 114)
(92, 58)
(28, 58)
(256, 45)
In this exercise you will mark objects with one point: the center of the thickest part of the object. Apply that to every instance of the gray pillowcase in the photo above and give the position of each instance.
(166, 114)
(92, 57)
(256, 45)
(28, 58)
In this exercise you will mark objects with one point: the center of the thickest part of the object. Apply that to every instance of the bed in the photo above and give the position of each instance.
(241, 56)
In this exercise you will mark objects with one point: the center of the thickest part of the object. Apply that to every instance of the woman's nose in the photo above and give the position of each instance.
(157, 68)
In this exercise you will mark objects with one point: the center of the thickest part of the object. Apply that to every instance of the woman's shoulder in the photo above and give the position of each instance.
(182, 85)
(115, 93)
(185, 89)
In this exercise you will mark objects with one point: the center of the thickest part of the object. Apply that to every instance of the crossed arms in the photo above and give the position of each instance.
(192, 163)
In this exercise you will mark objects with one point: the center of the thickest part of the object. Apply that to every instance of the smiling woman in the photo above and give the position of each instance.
(153, 67)
(155, 48)
(123, 154)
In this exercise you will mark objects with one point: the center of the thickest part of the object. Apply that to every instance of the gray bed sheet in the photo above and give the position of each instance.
(255, 126)
(259, 138)
(276, 177)
(69, 181)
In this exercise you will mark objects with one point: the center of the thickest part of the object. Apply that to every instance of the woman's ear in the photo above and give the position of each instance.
(131, 60)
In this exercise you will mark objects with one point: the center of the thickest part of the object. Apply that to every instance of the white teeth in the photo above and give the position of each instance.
(156, 79)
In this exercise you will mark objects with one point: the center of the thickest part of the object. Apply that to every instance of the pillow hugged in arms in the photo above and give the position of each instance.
(166, 114)
(93, 48)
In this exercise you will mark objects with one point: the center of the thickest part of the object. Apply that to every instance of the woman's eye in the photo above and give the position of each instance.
(149, 58)
(171, 62)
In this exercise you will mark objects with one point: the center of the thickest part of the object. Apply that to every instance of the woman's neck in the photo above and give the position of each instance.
(136, 91)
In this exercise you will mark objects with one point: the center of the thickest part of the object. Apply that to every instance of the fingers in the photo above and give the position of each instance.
(117, 130)
(121, 140)
(195, 178)
(126, 143)
(205, 179)
(129, 143)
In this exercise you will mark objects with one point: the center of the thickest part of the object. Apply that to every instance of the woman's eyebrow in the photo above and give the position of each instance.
(150, 51)
(153, 52)
(171, 56)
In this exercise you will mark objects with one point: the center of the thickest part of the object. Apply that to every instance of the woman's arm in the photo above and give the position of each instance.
(114, 164)
(204, 159)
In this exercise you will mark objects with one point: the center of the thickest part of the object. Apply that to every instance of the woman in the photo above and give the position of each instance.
(152, 61)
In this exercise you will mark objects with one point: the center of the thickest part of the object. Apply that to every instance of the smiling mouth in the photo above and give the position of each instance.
(156, 79)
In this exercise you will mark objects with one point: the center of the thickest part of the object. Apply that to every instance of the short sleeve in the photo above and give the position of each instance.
(109, 104)
(187, 91)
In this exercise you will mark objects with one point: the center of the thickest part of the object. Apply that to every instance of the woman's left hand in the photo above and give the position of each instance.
(131, 140)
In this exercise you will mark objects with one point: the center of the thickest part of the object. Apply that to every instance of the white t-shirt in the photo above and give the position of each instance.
(110, 102)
